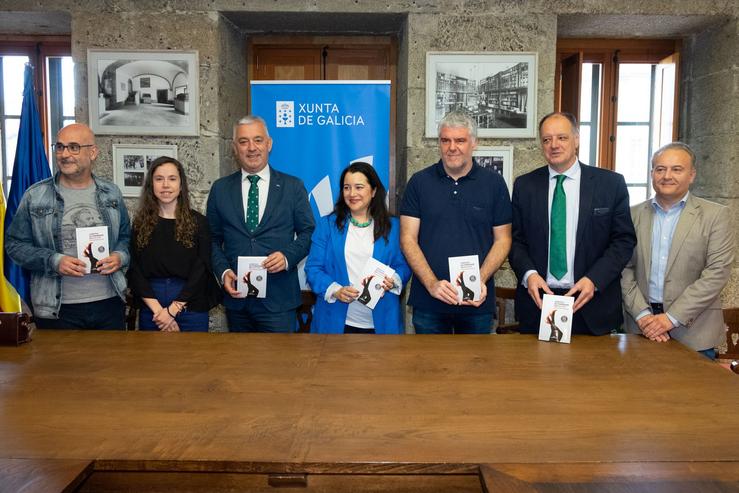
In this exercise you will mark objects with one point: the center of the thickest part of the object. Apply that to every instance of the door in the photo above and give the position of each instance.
(570, 82)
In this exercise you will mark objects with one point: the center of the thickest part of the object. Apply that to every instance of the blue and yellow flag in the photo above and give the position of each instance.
(9, 299)
(30, 166)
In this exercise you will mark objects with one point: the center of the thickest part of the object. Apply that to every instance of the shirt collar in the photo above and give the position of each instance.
(263, 174)
(678, 205)
(573, 172)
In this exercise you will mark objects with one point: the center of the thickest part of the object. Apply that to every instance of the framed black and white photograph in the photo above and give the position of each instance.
(132, 161)
(497, 89)
(143, 92)
(497, 158)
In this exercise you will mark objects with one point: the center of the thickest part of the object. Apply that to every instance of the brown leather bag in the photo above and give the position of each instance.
(14, 328)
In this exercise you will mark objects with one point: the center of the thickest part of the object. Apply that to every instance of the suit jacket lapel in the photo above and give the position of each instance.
(645, 224)
(541, 209)
(274, 196)
(684, 225)
(378, 250)
(587, 188)
(338, 248)
(238, 205)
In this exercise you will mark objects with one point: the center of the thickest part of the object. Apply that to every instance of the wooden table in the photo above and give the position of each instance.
(302, 403)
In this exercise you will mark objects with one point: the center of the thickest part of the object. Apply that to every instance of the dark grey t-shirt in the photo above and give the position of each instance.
(80, 211)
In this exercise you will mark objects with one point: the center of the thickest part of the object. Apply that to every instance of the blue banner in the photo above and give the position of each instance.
(320, 127)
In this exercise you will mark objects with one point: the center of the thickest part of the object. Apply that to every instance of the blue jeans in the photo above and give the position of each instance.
(254, 318)
(427, 322)
(166, 290)
(709, 353)
(108, 314)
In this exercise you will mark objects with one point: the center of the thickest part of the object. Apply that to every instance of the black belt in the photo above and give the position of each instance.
(560, 291)
(657, 308)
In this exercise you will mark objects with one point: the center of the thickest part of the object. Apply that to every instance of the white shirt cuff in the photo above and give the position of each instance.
(398, 284)
(643, 314)
(526, 276)
(332, 288)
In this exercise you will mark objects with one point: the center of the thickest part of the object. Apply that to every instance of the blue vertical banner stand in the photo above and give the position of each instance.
(318, 128)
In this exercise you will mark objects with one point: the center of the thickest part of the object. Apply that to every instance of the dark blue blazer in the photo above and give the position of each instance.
(327, 264)
(286, 226)
(604, 243)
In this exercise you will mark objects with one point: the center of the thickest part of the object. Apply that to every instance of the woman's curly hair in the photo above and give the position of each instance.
(147, 215)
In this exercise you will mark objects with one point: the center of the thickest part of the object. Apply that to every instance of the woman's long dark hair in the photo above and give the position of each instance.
(377, 210)
(147, 215)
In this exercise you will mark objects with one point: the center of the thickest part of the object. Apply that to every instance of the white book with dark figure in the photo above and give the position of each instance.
(464, 274)
(556, 318)
(251, 277)
(370, 286)
(92, 246)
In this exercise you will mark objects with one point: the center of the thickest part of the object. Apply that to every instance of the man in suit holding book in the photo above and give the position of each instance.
(572, 234)
(259, 211)
(683, 260)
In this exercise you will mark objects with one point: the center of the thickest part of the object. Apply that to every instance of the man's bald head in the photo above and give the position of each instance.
(76, 132)
(75, 168)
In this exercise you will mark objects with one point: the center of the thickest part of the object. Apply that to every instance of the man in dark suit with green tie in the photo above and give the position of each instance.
(259, 211)
(572, 233)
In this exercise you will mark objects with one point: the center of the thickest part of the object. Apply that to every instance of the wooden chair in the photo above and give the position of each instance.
(731, 319)
(502, 296)
(305, 311)
(132, 312)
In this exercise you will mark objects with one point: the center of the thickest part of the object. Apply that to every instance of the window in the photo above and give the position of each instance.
(54, 74)
(634, 126)
(11, 86)
(623, 93)
(589, 116)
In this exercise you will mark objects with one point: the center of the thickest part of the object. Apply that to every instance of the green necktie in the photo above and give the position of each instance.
(558, 231)
(252, 204)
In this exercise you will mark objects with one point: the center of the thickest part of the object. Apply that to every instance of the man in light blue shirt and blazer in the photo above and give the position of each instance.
(683, 259)
(259, 211)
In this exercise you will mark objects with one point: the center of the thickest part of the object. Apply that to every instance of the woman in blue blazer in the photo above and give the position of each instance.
(359, 228)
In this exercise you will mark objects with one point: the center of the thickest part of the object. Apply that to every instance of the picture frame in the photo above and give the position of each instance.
(499, 159)
(131, 162)
(498, 89)
(133, 92)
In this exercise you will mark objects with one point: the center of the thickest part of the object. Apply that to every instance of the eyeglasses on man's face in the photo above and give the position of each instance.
(74, 147)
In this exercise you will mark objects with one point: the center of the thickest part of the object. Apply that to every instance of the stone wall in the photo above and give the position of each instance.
(710, 122)
(208, 33)
(710, 119)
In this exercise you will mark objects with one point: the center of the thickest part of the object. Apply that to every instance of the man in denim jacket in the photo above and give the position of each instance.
(42, 239)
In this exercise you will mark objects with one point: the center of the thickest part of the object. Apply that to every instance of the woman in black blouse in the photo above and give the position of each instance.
(170, 273)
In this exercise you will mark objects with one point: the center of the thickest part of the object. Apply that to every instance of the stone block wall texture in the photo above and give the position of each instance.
(710, 124)
(710, 76)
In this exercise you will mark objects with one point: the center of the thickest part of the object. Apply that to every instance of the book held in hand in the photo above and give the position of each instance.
(370, 286)
(251, 277)
(92, 246)
(556, 318)
(464, 274)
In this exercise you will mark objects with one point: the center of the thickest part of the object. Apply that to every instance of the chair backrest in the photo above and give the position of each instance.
(132, 314)
(731, 319)
(305, 310)
(504, 296)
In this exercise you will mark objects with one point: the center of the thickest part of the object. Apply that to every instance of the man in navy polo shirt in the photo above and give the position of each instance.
(454, 208)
